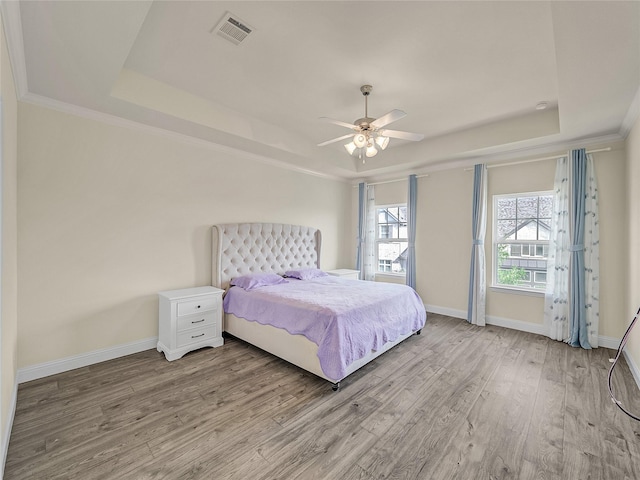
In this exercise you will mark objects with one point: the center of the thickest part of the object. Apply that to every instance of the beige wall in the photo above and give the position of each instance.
(108, 216)
(633, 220)
(9, 287)
(443, 245)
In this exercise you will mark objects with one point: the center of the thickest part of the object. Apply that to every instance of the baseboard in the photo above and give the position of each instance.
(537, 328)
(490, 320)
(635, 371)
(449, 312)
(6, 435)
(84, 359)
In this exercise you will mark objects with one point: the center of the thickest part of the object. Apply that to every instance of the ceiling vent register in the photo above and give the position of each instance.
(233, 29)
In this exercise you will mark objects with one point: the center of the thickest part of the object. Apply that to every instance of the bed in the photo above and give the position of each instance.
(243, 249)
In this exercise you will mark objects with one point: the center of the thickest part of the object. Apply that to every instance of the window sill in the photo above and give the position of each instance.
(391, 275)
(517, 291)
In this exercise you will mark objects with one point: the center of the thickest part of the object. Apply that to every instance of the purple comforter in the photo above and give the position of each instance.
(345, 318)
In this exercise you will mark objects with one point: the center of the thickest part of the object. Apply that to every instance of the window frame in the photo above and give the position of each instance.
(528, 290)
(388, 240)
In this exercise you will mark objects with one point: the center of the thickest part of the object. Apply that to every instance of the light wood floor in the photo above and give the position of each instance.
(457, 402)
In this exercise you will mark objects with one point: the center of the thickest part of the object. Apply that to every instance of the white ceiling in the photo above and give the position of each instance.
(468, 74)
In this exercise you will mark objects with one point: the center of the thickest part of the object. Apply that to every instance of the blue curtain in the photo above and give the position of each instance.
(578, 331)
(411, 227)
(477, 275)
(362, 228)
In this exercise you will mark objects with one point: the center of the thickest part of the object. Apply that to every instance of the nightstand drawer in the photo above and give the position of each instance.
(196, 306)
(196, 335)
(195, 321)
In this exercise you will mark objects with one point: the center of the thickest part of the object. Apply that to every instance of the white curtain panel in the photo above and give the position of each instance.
(369, 260)
(556, 298)
(592, 254)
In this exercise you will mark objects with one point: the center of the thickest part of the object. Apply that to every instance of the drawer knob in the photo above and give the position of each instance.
(198, 306)
(196, 336)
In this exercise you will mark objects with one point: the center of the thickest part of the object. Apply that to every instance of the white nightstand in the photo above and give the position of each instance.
(189, 319)
(345, 273)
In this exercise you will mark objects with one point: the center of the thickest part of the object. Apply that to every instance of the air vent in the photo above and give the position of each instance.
(233, 29)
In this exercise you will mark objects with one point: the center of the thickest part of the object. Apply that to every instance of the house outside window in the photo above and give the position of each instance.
(391, 241)
(521, 230)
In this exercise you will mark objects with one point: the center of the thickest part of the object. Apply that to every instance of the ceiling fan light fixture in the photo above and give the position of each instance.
(371, 151)
(382, 141)
(350, 147)
(360, 140)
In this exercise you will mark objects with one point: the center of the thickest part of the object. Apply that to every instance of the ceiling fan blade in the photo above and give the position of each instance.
(336, 139)
(388, 118)
(414, 137)
(338, 122)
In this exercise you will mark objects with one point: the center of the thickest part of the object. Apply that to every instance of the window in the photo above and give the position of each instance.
(391, 241)
(521, 229)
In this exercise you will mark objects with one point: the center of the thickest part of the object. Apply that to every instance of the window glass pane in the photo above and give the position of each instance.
(394, 256)
(383, 231)
(382, 215)
(528, 230)
(506, 208)
(393, 214)
(403, 231)
(544, 231)
(524, 220)
(546, 206)
(402, 214)
(507, 229)
(527, 207)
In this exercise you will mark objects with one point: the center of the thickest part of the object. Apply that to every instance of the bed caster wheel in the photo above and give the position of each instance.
(335, 387)
(419, 332)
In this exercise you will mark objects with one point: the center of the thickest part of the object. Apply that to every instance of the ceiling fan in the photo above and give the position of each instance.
(369, 134)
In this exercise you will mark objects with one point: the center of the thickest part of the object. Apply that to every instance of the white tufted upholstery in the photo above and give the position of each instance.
(243, 248)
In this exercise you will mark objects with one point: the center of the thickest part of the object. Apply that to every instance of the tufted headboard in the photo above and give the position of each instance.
(243, 248)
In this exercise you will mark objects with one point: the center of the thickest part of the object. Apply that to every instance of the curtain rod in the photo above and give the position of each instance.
(607, 149)
(392, 181)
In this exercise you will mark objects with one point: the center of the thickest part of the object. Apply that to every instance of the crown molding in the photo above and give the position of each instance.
(13, 32)
(632, 115)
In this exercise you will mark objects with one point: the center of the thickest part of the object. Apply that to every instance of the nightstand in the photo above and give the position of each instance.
(189, 319)
(345, 273)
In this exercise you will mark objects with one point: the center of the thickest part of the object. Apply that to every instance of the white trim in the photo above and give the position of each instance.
(537, 328)
(516, 291)
(84, 359)
(15, 45)
(635, 371)
(6, 435)
(632, 115)
(449, 312)
(608, 342)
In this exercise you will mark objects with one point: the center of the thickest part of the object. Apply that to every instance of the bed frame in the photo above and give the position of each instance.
(244, 248)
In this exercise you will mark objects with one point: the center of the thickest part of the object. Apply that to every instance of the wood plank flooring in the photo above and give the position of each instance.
(457, 402)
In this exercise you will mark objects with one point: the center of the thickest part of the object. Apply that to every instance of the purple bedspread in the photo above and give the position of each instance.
(345, 318)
